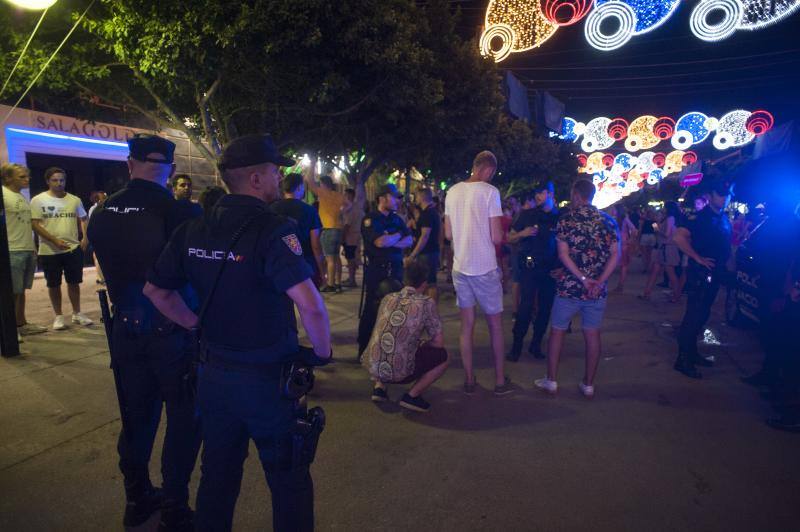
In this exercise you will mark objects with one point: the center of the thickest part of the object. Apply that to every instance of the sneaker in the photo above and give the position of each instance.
(350, 284)
(586, 390)
(327, 290)
(505, 388)
(700, 360)
(536, 350)
(58, 323)
(379, 395)
(469, 387)
(176, 519)
(29, 329)
(139, 510)
(337, 289)
(81, 319)
(19, 338)
(547, 385)
(417, 404)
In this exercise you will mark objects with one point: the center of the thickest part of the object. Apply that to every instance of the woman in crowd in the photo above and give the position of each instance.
(667, 255)
(647, 238)
(627, 233)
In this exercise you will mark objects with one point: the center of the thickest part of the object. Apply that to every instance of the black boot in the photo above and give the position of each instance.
(176, 518)
(700, 360)
(684, 365)
(141, 506)
(516, 350)
(535, 349)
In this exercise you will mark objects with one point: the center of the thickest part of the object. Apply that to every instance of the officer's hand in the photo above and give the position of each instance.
(707, 262)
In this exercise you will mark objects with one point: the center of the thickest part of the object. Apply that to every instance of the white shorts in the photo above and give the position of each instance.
(485, 290)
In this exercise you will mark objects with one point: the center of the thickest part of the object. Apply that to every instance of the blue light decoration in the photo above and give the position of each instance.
(691, 128)
(20, 140)
(650, 14)
(568, 130)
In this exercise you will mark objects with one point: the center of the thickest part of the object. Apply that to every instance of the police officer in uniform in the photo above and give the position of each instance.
(248, 268)
(706, 239)
(534, 230)
(385, 237)
(148, 351)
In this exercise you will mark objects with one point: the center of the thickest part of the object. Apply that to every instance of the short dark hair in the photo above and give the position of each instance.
(210, 196)
(528, 195)
(426, 193)
(178, 177)
(291, 183)
(50, 172)
(415, 274)
(327, 181)
(585, 189)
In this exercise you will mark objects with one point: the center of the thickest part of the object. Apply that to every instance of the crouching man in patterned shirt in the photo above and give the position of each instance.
(406, 344)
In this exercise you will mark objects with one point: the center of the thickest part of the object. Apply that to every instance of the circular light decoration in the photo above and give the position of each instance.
(659, 159)
(689, 157)
(594, 163)
(626, 161)
(732, 130)
(673, 162)
(618, 129)
(640, 134)
(582, 158)
(664, 127)
(650, 14)
(644, 163)
(33, 5)
(690, 129)
(626, 18)
(608, 160)
(566, 12)
(759, 122)
(758, 14)
(655, 177)
(596, 135)
(724, 28)
(528, 27)
(568, 129)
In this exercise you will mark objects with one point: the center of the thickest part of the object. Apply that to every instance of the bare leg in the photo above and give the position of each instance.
(331, 266)
(433, 293)
(674, 283)
(592, 339)
(426, 380)
(55, 298)
(351, 270)
(651, 279)
(554, 352)
(465, 341)
(495, 323)
(514, 296)
(19, 308)
(338, 262)
(647, 253)
(74, 293)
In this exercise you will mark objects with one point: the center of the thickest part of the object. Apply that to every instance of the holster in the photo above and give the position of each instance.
(305, 436)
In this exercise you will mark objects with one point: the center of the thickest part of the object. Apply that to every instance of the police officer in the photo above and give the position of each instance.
(149, 353)
(385, 237)
(248, 268)
(534, 230)
(706, 239)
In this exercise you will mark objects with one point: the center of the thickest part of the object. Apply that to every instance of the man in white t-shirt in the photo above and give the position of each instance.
(472, 223)
(55, 215)
(15, 177)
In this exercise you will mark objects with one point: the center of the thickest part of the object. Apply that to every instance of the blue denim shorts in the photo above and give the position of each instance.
(564, 309)
(331, 240)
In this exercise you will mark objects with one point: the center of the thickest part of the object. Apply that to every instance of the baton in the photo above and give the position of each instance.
(108, 325)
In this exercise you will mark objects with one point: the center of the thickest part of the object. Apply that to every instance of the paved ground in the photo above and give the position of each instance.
(653, 451)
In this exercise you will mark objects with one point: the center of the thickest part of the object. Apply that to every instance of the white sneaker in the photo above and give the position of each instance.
(58, 323)
(19, 338)
(81, 319)
(547, 385)
(586, 390)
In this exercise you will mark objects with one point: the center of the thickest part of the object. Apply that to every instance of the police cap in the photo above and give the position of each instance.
(389, 188)
(251, 150)
(143, 144)
(721, 185)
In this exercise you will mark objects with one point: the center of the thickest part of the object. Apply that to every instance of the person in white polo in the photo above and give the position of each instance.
(55, 214)
(472, 223)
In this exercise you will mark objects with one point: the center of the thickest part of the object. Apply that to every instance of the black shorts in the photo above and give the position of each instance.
(70, 264)
(431, 261)
(349, 252)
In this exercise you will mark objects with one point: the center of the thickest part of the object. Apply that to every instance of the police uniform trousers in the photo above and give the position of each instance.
(153, 367)
(536, 286)
(780, 340)
(374, 273)
(239, 402)
(701, 296)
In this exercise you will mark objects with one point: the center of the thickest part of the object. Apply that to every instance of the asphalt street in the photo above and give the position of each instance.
(652, 451)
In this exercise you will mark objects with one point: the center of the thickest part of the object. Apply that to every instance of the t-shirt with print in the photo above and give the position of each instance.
(469, 206)
(590, 235)
(330, 208)
(18, 221)
(60, 218)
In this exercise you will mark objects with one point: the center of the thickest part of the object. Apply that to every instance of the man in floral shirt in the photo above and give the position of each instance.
(588, 246)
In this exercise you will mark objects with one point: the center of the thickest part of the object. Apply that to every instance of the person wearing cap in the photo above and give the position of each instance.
(534, 231)
(128, 232)
(706, 239)
(385, 237)
(247, 265)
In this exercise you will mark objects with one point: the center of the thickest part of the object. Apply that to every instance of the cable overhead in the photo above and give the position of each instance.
(22, 53)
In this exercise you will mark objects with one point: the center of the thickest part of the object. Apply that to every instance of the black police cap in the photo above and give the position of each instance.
(251, 150)
(143, 144)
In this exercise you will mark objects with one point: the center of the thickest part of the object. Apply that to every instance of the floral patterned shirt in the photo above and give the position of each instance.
(591, 235)
(405, 320)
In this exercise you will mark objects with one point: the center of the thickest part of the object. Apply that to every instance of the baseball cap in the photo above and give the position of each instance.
(142, 144)
(389, 188)
(251, 150)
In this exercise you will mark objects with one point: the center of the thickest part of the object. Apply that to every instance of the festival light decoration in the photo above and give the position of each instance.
(520, 25)
(595, 136)
(691, 128)
(618, 129)
(732, 130)
(759, 122)
(641, 135)
(33, 5)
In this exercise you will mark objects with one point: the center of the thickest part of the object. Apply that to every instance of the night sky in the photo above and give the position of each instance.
(633, 81)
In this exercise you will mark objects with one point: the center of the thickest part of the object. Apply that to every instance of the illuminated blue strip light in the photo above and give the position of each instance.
(60, 138)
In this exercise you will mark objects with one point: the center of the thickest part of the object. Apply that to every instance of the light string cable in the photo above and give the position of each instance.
(22, 53)
(49, 60)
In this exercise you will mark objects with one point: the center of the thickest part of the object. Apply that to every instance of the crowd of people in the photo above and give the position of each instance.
(272, 251)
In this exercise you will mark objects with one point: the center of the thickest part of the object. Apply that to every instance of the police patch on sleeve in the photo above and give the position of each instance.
(293, 243)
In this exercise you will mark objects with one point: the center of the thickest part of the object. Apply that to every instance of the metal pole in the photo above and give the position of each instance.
(9, 346)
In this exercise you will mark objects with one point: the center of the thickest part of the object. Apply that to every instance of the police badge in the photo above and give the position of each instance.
(293, 243)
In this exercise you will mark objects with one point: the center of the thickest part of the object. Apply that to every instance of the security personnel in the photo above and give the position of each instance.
(706, 239)
(128, 233)
(534, 230)
(385, 237)
(248, 268)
